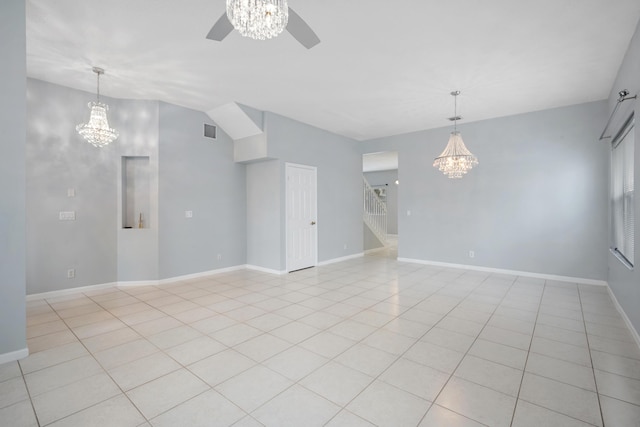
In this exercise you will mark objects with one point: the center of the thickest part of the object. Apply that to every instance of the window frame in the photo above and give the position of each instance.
(620, 198)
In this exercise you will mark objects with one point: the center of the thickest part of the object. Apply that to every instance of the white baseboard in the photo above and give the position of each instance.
(69, 291)
(344, 258)
(265, 270)
(14, 355)
(626, 319)
(511, 272)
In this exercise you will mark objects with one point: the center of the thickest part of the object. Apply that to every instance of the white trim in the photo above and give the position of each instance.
(14, 355)
(511, 272)
(265, 270)
(69, 291)
(626, 319)
(344, 258)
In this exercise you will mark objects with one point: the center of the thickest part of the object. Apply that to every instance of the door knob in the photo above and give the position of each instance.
(313, 223)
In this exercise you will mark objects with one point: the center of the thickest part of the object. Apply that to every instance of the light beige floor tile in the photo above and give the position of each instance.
(434, 356)
(78, 311)
(262, 347)
(327, 344)
(373, 318)
(62, 374)
(52, 356)
(155, 326)
(561, 322)
(461, 326)
(616, 364)
(522, 326)
(348, 419)
(221, 366)
(110, 339)
(110, 304)
(559, 350)
(560, 370)
(406, 327)
(490, 374)
(612, 332)
(421, 380)
(9, 370)
(439, 416)
(130, 309)
(178, 307)
(143, 370)
(295, 332)
(499, 353)
(195, 314)
(561, 335)
(87, 319)
(115, 412)
(46, 328)
(566, 399)
(336, 383)
(477, 402)
(388, 341)
(213, 324)
(248, 421)
(173, 337)
(66, 400)
(296, 407)
(19, 414)
(142, 316)
(321, 320)
(619, 348)
(268, 322)
(125, 353)
(353, 330)
(295, 363)
(618, 413)
(385, 405)
(530, 415)
(448, 339)
(45, 342)
(236, 334)
(39, 319)
(294, 311)
(254, 387)
(98, 328)
(209, 409)
(195, 350)
(618, 387)
(12, 391)
(164, 393)
(506, 337)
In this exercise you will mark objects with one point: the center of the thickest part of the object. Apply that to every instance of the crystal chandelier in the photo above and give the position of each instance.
(258, 19)
(456, 160)
(97, 131)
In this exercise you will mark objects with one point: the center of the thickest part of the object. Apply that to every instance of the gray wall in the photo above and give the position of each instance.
(339, 167)
(265, 237)
(388, 180)
(624, 282)
(12, 177)
(537, 202)
(198, 174)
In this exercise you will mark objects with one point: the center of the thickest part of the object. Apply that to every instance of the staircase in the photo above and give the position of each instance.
(375, 212)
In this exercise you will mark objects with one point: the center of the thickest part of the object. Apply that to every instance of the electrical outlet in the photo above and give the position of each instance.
(345, 246)
(219, 257)
(71, 273)
(71, 192)
(188, 214)
(67, 216)
(472, 254)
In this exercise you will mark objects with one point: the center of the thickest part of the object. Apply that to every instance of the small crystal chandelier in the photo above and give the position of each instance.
(258, 19)
(97, 132)
(456, 160)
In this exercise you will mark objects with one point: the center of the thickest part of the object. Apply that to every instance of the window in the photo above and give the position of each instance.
(622, 203)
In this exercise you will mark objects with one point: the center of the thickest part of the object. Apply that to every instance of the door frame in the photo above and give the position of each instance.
(288, 165)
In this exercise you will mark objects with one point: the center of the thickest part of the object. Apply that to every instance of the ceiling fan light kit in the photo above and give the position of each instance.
(456, 160)
(258, 19)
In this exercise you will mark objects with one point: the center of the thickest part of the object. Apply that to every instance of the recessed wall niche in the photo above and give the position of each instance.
(136, 186)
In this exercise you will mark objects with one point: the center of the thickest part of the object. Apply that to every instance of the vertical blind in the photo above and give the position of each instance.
(622, 197)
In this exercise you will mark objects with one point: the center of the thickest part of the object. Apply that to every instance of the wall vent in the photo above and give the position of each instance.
(210, 131)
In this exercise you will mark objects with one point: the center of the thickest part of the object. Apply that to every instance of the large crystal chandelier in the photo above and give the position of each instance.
(97, 131)
(258, 19)
(456, 160)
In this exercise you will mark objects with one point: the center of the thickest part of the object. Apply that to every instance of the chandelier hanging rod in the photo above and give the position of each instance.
(623, 95)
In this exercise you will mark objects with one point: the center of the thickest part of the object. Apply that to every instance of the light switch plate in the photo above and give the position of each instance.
(188, 214)
(67, 216)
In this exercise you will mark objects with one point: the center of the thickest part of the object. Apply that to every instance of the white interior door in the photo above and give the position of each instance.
(302, 231)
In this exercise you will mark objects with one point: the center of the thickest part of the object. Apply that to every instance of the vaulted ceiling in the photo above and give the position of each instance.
(382, 67)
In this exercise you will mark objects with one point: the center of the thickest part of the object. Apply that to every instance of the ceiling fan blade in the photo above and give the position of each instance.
(301, 31)
(220, 29)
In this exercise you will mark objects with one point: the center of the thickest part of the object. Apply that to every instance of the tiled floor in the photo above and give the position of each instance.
(370, 341)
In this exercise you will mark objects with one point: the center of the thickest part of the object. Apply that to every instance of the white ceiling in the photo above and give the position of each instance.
(382, 68)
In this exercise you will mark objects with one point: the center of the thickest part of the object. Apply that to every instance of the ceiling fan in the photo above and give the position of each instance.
(296, 26)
